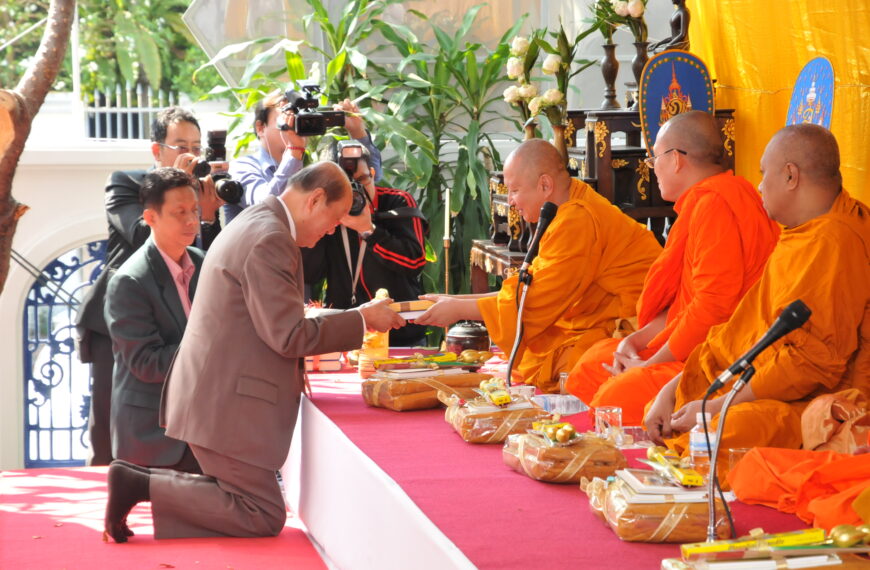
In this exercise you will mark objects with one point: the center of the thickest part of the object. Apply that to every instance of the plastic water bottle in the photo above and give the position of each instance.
(562, 404)
(698, 450)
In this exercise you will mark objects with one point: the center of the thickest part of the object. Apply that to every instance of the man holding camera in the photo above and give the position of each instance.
(175, 141)
(266, 172)
(379, 245)
(148, 301)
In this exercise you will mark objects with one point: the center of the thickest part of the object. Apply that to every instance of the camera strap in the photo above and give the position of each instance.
(354, 272)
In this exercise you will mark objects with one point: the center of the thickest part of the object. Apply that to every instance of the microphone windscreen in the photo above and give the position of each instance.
(795, 314)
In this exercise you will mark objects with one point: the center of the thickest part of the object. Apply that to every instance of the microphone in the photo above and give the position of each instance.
(792, 317)
(548, 212)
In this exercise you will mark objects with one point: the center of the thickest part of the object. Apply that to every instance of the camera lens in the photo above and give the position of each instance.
(359, 198)
(229, 190)
(202, 169)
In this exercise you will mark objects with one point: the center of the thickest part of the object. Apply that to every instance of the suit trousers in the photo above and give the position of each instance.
(103, 361)
(232, 498)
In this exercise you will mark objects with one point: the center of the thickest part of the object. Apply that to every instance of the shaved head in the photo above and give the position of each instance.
(800, 171)
(535, 173)
(698, 134)
(813, 149)
(537, 157)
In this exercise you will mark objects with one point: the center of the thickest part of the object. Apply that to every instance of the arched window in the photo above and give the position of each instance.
(56, 384)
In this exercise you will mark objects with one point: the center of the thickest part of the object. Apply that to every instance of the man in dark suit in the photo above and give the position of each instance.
(175, 141)
(233, 391)
(147, 303)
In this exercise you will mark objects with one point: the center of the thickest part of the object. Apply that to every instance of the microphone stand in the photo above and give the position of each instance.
(525, 278)
(712, 478)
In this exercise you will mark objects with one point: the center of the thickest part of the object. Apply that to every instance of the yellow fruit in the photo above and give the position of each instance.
(865, 528)
(468, 356)
(846, 535)
(569, 429)
(484, 355)
(551, 431)
(563, 435)
(382, 294)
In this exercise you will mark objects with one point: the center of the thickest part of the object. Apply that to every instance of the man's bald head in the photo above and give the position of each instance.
(538, 157)
(697, 133)
(535, 173)
(813, 149)
(326, 175)
(800, 171)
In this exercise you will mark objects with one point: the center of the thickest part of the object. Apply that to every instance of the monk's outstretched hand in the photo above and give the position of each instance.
(684, 419)
(658, 419)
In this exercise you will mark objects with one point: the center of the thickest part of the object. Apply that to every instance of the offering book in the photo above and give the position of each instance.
(645, 486)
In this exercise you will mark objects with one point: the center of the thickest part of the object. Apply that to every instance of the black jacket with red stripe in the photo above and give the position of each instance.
(393, 259)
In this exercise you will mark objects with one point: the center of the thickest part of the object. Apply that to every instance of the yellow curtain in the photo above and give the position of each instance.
(755, 50)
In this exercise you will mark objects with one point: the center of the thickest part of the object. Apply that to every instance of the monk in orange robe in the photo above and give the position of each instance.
(588, 274)
(715, 252)
(822, 258)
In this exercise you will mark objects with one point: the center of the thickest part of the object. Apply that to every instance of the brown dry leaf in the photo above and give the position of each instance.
(165, 565)
(58, 524)
(105, 536)
(36, 537)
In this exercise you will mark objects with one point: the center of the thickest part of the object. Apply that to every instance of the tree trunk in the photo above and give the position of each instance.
(17, 109)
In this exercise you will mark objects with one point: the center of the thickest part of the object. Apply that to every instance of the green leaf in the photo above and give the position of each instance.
(467, 21)
(358, 59)
(335, 66)
(229, 51)
(447, 45)
(149, 57)
(282, 46)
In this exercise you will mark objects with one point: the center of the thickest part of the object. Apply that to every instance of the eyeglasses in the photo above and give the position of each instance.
(196, 150)
(650, 161)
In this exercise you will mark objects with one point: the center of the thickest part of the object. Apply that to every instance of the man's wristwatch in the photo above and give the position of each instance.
(365, 235)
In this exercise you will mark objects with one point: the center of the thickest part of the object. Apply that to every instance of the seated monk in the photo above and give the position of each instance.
(715, 252)
(822, 258)
(588, 274)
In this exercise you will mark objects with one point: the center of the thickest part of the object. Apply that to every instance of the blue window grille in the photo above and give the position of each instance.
(56, 384)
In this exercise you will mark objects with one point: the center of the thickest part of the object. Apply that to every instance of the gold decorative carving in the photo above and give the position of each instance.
(601, 134)
(573, 164)
(618, 163)
(501, 189)
(728, 132)
(501, 210)
(487, 264)
(514, 223)
(642, 179)
(493, 185)
(570, 130)
(477, 258)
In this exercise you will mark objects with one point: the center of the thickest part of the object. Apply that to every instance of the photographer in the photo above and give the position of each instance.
(363, 255)
(176, 141)
(281, 151)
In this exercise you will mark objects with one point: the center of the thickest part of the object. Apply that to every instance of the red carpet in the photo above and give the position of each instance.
(53, 518)
(497, 517)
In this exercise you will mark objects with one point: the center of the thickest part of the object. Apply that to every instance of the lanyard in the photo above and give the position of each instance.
(359, 258)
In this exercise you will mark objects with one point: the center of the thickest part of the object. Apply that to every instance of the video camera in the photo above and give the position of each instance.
(310, 118)
(227, 189)
(348, 155)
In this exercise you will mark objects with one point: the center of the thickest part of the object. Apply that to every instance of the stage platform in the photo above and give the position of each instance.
(381, 489)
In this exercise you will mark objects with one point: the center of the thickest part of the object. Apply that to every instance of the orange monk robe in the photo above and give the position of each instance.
(588, 274)
(823, 488)
(716, 250)
(825, 262)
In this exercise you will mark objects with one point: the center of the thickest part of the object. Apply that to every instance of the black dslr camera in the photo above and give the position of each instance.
(227, 189)
(310, 118)
(348, 155)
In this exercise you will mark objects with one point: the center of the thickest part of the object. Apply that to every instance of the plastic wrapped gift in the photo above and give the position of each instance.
(585, 456)
(480, 422)
(652, 522)
(421, 393)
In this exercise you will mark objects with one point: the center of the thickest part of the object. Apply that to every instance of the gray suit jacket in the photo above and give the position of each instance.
(235, 385)
(146, 322)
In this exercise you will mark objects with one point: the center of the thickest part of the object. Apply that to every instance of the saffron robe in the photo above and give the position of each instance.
(716, 250)
(825, 262)
(823, 488)
(588, 274)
